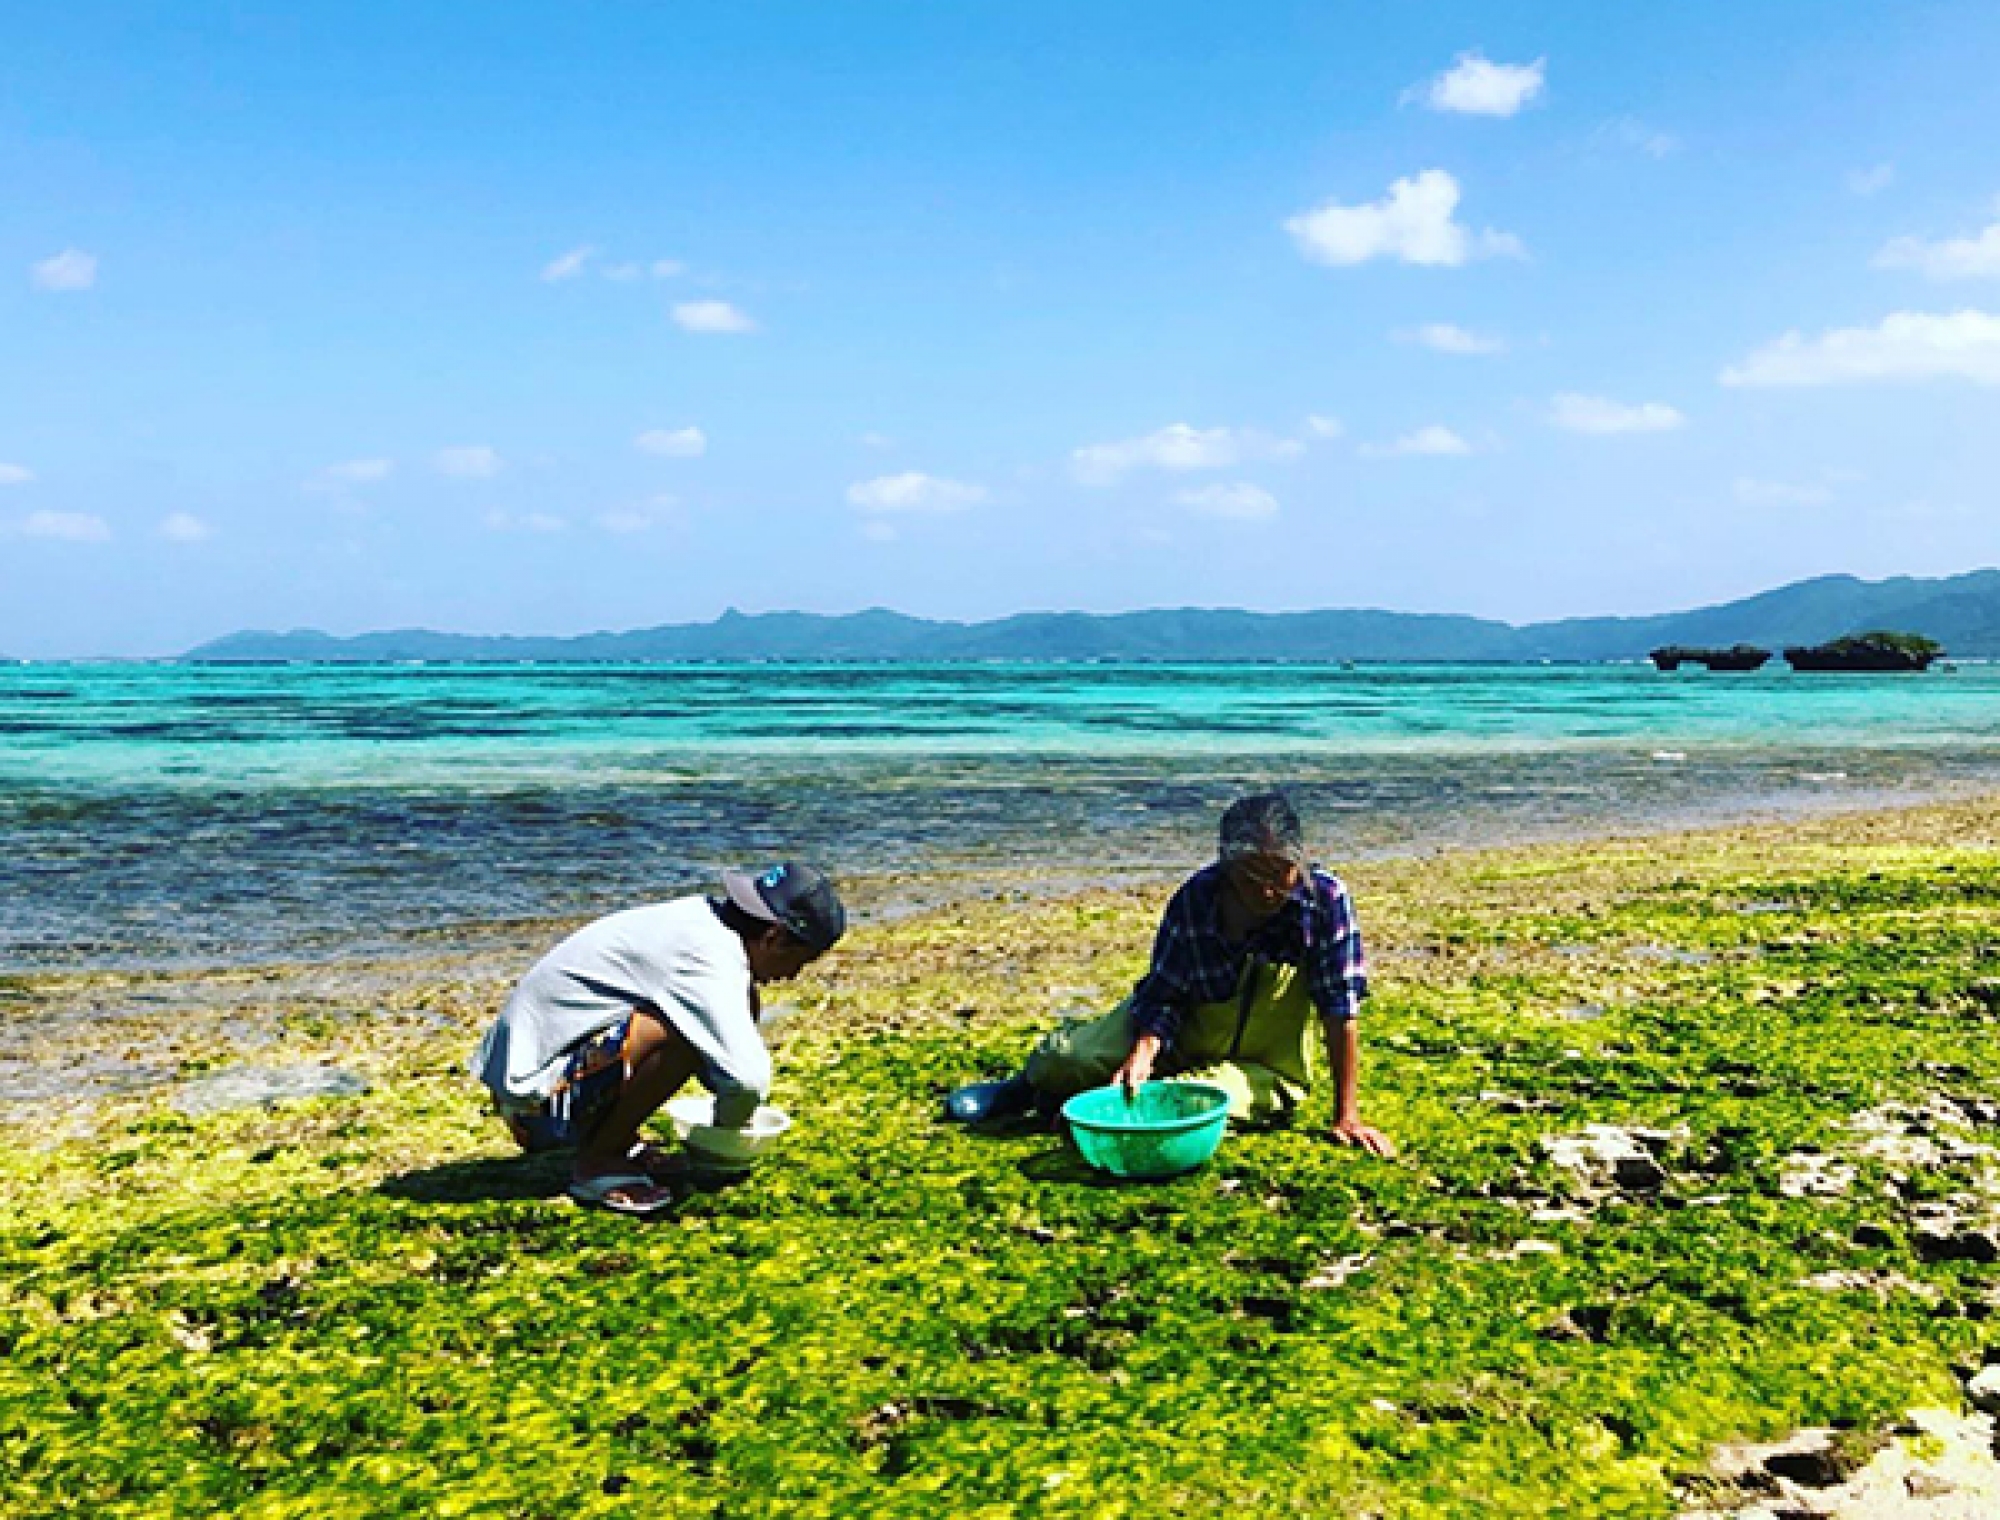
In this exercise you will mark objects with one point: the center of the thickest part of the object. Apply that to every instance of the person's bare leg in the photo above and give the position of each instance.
(659, 1062)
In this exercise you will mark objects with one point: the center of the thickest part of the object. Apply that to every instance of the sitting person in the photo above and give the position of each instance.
(619, 1016)
(1248, 950)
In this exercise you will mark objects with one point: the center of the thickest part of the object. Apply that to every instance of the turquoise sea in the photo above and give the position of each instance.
(170, 815)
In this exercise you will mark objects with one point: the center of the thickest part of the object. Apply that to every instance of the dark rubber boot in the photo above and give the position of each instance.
(982, 1102)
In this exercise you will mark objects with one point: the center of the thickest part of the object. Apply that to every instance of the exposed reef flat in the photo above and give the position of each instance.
(1697, 1201)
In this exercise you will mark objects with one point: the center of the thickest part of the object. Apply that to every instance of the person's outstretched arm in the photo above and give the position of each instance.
(1138, 1067)
(1343, 1045)
(1164, 990)
(1339, 981)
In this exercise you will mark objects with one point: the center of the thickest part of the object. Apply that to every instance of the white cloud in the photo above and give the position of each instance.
(577, 262)
(1907, 345)
(72, 269)
(1434, 440)
(1325, 427)
(526, 522)
(672, 443)
(712, 317)
(1597, 414)
(1412, 224)
(1630, 132)
(361, 472)
(569, 265)
(1872, 181)
(337, 480)
(1778, 493)
(658, 512)
(1476, 86)
(1177, 447)
(184, 528)
(15, 474)
(1965, 258)
(913, 491)
(1446, 338)
(68, 527)
(878, 531)
(469, 462)
(1239, 501)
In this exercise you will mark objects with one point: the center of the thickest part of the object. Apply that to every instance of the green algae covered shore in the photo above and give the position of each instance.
(1695, 1136)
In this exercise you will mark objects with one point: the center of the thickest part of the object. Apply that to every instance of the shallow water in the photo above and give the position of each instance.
(167, 815)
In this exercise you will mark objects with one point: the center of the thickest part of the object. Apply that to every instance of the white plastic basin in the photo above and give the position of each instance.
(694, 1121)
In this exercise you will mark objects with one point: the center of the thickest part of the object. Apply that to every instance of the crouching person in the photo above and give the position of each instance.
(1250, 951)
(626, 1011)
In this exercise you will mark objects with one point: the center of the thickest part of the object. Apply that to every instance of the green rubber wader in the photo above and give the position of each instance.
(1254, 1046)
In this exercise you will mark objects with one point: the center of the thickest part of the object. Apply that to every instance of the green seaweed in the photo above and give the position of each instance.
(368, 1307)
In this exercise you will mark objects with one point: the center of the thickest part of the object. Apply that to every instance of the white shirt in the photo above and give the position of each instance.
(678, 957)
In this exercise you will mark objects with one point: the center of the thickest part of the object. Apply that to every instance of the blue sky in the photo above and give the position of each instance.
(552, 317)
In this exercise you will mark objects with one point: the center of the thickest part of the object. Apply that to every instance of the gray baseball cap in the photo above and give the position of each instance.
(794, 895)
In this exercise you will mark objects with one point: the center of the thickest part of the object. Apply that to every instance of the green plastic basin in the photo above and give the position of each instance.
(1162, 1130)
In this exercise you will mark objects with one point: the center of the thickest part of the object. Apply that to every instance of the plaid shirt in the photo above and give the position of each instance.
(1193, 964)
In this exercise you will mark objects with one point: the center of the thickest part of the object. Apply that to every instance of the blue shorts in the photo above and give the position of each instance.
(593, 1073)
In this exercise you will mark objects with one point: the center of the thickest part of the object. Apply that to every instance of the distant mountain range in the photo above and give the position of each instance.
(1962, 612)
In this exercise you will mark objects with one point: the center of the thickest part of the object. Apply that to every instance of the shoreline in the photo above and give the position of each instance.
(1001, 868)
(163, 823)
(83, 1038)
